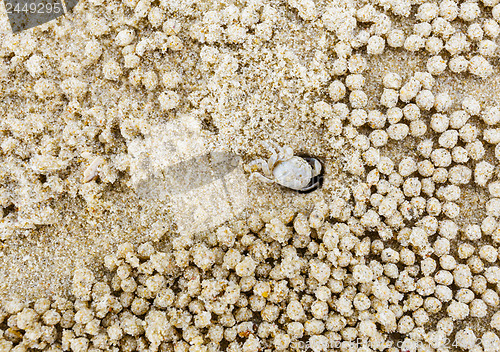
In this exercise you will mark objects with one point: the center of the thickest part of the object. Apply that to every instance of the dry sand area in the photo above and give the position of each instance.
(128, 218)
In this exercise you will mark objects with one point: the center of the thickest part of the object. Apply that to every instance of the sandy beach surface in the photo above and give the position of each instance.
(128, 218)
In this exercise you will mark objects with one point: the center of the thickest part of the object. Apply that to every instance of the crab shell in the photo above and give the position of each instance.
(294, 173)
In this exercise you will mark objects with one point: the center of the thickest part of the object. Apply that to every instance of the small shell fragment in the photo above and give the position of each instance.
(90, 172)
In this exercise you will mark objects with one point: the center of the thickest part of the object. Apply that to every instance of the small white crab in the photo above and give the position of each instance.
(288, 170)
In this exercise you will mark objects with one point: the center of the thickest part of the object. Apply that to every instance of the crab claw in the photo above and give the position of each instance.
(317, 168)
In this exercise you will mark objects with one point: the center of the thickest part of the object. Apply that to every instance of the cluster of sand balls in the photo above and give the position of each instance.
(395, 262)
(440, 32)
(225, 45)
(278, 282)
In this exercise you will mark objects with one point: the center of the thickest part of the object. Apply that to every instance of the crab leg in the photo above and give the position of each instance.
(269, 147)
(260, 177)
(316, 168)
(263, 165)
(284, 153)
(308, 188)
(274, 156)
